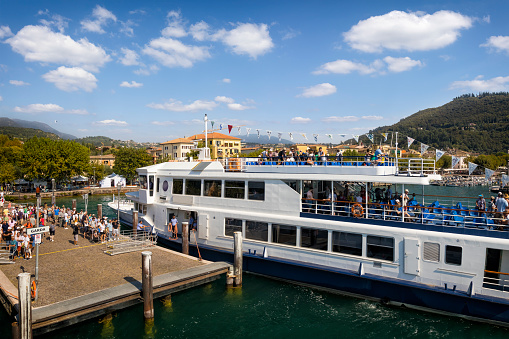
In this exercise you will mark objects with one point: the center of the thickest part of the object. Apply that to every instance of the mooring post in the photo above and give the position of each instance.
(135, 221)
(185, 237)
(25, 306)
(99, 211)
(15, 330)
(237, 258)
(146, 285)
(74, 204)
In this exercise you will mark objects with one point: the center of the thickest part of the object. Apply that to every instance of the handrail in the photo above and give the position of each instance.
(495, 272)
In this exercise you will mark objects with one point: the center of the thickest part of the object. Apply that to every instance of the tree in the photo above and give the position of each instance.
(127, 160)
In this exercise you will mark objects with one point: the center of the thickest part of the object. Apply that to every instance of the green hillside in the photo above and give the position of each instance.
(478, 123)
(26, 133)
(96, 141)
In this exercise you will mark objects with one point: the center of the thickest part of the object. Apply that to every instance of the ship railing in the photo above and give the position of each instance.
(416, 166)
(434, 215)
(496, 280)
(131, 240)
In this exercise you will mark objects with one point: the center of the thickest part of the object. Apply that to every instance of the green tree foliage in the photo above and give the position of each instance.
(127, 160)
(444, 162)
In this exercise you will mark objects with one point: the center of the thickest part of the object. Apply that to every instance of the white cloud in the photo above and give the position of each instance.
(200, 31)
(163, 123)
(5, 32)
(344, 67)
(319, 90)
(1, 98)
(177, 106)
(340, 119)
(413, 31)
(479, 85)
(127, 27)
(397, 65)
(173, 53)
(18, 83)
(498, 43)
(238, 107)
(224, 99)
(247, 39)
(71, 79)
(372, 117)
(48, 108)
(175, 28)
(40, 44)
(289, 34)
(130, 57)
(54, 20)
(111, 122)
(226, 80)
(132, 84)
(100, 17)
(300, 120)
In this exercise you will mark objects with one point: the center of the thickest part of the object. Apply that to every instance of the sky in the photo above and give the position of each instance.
(151, 70)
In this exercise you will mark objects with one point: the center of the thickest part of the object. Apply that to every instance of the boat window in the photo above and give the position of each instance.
(314, 238)
(193, 187)
(256, 190)
(143, 181)
(234, 189)
(212, 188)
(431, 251)
(348, 243)
(380, 247)
(257, 230)
(453, 255)
(178, 186)
(284, 234)
(232, 225)
(158, 181)
(293, 184)
(151, 185)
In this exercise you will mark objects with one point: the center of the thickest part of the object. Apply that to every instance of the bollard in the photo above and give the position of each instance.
(185, 237)
(146, 285)
(135, 221)
(74, 204)
(99, 211)
(15, 330)
(25, 306)
(237, 258)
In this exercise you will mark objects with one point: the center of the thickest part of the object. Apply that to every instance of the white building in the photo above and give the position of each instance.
(112, 180)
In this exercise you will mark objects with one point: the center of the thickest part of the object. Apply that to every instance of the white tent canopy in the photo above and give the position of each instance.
(112, 180)
(79, 178)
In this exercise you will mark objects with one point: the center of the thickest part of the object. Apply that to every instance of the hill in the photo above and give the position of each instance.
(96, 141)
(476, 123)
(26, 133)
(6, 122)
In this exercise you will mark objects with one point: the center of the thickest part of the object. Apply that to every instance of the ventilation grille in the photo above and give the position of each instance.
(431, 251)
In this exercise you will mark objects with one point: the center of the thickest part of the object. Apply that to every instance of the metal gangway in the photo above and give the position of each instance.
(131, 241)
(6, 253)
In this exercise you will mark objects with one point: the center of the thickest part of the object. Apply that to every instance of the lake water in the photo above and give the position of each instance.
(270, 308)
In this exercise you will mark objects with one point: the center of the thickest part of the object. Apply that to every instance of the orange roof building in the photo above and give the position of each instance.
(221, 145)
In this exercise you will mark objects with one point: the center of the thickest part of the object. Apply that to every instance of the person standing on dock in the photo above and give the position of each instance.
(75, 233)
(173, 227)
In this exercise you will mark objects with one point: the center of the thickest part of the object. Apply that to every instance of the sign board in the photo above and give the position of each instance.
(37, 230)
(38, 238)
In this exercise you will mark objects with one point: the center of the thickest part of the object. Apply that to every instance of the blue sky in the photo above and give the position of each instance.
(149, 71)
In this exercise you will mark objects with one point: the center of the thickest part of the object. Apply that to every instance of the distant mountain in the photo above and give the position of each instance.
(26, 133)
(264, 139)
(478, 123)
(40, 125)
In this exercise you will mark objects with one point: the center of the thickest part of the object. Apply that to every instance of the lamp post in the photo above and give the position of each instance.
(119, 186)
(53, 189)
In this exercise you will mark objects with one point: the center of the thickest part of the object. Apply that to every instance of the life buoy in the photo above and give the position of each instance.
(357, 210)
(33, 289)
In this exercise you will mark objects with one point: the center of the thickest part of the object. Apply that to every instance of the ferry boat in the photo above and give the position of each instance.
(319, 222)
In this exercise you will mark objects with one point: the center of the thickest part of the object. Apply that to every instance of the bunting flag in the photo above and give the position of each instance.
(371, 137)
(212, 123)
(238, 129)
(220, 126)
(424, 148)
(455, 161)
(315, 136)
(342, 135)
(258, 131)
(439, 154)
(229, 128)
(385, 136)
(488, 173)
(269, 133)
(410, 141)
(304, 136)
(279, 135)
(248, 129)
(471, 167)
(329, 135)
(291, 135)
(356, 137)
(505, 180)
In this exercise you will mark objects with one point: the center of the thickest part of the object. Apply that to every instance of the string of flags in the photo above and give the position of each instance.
(423, 147)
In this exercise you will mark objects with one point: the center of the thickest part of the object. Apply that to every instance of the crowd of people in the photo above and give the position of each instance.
(17, 219)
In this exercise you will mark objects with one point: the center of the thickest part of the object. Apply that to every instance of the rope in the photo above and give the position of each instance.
(196, 242)
(9, 293)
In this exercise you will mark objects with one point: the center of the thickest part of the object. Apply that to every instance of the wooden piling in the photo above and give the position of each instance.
(146, 285)
(99, 211)
(25, 306)
(135, 221)
(237, 258)
(73, 204)
(15, 330)
(185, 237)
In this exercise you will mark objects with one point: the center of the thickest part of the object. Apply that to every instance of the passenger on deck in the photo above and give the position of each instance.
(399, 210)
(310, 160)
(501, 204)
(309, 199)
(388, 194)
(480, 203)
